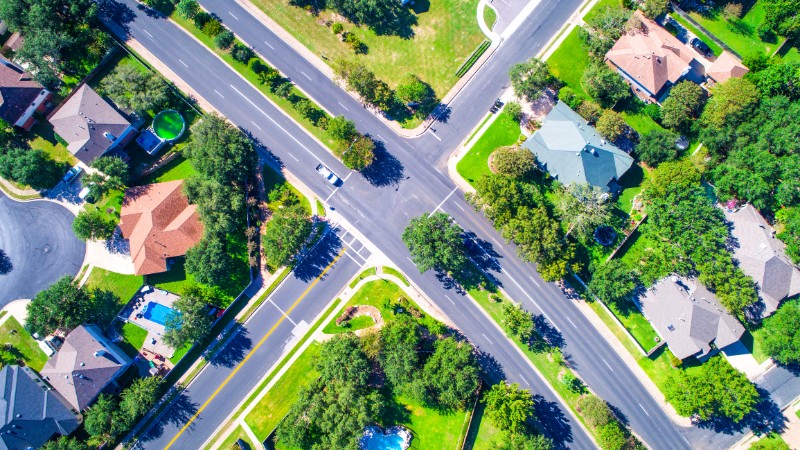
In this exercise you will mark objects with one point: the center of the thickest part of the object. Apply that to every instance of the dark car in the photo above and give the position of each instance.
(71, 174)
(496, 106)
(700, 46)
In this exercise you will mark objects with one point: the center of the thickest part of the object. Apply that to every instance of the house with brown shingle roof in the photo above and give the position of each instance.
(90, 125)
(726, 67)
(160, 224)
(84, 366)
(20, 96)
(650, 59)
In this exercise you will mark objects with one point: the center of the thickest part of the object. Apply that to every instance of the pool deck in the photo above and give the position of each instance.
(133, 313)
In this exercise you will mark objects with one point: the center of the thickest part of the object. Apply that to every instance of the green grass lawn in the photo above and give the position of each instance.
(632, 183)
(271, 409)
(600, 6)
(230, 442)
(110, 204)
(482, 432)
(690, 26)
(432, 429)
(489, 16)
(791, 54)
(366, 273)
(180, 353)
(133, 338)
(396, 273)
(569, 61)
(740, 35)
(42, 136)
(633, 321)
(475, 164)
(179, 168)
(123, 286)
(444, 37)
(753, 339)
(775, 440)
(23, 345)
(274, 180)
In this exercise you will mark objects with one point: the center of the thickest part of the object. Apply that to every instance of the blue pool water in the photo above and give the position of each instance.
(157, 312)
(380, 441)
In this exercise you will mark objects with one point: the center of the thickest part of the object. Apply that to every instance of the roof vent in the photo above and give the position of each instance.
(83, 364)
(99, 353)
(593, 151)
(671, 327)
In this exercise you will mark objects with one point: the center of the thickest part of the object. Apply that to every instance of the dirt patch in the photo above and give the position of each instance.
(361, 310)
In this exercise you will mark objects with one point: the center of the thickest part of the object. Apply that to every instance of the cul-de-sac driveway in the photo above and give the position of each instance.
(37, 246)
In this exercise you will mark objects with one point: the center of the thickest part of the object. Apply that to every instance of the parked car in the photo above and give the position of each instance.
(496, 106)
(700, 46)
(71, 174)
(328, 175)
(89, 193)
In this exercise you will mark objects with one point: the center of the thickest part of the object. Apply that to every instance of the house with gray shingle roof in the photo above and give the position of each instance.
(90, 125)
(30, 411)
(689, 317)
(572, 151)
(85, 364)
(20, 96)
(762, 257)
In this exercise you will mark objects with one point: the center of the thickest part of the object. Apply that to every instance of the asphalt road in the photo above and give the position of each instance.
(38, 247)
(408, 180)
(256, 346)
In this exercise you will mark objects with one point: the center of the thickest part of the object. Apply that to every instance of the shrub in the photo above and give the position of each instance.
(283, 89)
(606, 86)
(568, 96)
(256, 65)
(653, 111)
(188, 8)
(305, 108)
(611, 437)
(224, 40)
(654, 8)
(241, 52)
(514, 162)
(514, 110)
(611, 125)
(212, 27)
(594, 411)
(201, 18)
(732, 11)
(337, 28)
(573, 383)
(766, 34)
(322, 121)
(590, 111)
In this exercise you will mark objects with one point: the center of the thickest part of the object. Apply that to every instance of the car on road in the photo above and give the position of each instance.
(71, 174)
(700, 46)
(328, 175)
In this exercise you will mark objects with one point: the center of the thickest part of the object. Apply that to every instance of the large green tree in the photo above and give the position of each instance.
(343, 360)
(285, 234)
(584, 207)
(782, 336)
(783, 17)
(657, 146)
(603, 29)
(136, 90)
(611, 125)
(139, 397)
(399, 358)
(515, 162)
(530, 78)
(219, 151)
(450, 374)
(508, 406)
(380, 15)
(64, 443)
(92, 225)
(65, 305)
(209, 261)
(102, 420)
(604, 85)
(539, 239)
(730, 102)
(613, 282)
(518, 321)
(31, 167)
(190, 321)
(221, 206)
(435, 242)
(683, 106)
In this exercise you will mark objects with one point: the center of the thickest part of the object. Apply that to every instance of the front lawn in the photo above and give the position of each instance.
(179, 168)
(230, 442)
(502, 132)
(444, 37)
(633, 320)
(740, 35)
(569, 61)
(753, 339)
(123, 286)
(22, 344)
(432, 429)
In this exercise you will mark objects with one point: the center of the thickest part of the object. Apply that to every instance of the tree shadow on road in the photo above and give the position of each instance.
(766, 416)
(385, 170)
(314, 263)
(178, 414)
(492, 369)
(6, 266)
(236, 349)
(553, 422)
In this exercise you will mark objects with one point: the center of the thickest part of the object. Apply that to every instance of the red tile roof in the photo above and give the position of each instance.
(726, 67)
(159, 223)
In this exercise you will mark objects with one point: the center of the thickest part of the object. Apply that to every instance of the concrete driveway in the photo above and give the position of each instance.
(38, 246)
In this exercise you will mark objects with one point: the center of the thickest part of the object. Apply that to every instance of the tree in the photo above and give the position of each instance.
(521, 441)
(730, 103)
(225, 39)
(187, 8)
(342, 360)
(749, 174)
(102, 419)
(584, 207)
(782, 337)
(380, 15)
(613, 282)
(221, 152)
(285, 234)
(604, 85)
(399, 359)
(529, 79)
(435, 242)
(209, 261)
(779, 79)
(782, 17)
(65, 305)
(359, 78)
(413, 90)
(514, 110)
(595, 411)
(514, 162)
(732, 12)
(683, 106)
(590, 111)
(611, 125)
(64, 443)
(657, 146)
(450, 374)
(508, 406)
(360, 154)
(92, 225)
(31, 167)
(139, 397)
(654, 8)
(716, 391)
(113, 176)
(603, 29)
(611, 436)
(789, 218)
(221, 206)
(518, 321)
(241, 52)
(135, 90)
(342, 130)
(190, 322)
(769, 442)
(539, 239)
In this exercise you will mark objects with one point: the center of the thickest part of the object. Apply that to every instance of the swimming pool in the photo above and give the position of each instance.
(394, 438)
(157, 312)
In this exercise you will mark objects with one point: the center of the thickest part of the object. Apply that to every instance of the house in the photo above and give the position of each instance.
(31, 411)
(90, 125)
(726, 67)
(688, 317)
(573, 152)
(160, 224)
(20, 96)
(84, 366)
(651, 59)
(762, 257)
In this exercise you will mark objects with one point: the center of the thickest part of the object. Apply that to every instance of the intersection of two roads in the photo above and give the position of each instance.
(408, 179)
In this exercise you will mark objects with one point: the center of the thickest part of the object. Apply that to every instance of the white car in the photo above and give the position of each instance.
(328, 175)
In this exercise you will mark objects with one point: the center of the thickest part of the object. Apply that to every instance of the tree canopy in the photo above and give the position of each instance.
(400, 341)
(508, 406)
(613, 282)
(657, 146)
(683, 106)
(514, 162)
(285, 234)
(93, 225)
(65, 305)
(450, 374)
(435, 242)
(190, 321)
(782, 336)
(530, 78)
(136, 90)
(29, 166)
(220, 152)
(606, 86)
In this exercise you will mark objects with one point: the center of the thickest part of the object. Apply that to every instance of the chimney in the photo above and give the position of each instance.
(99, 353)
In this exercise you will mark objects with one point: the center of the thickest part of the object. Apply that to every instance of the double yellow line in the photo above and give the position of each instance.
(260, 343)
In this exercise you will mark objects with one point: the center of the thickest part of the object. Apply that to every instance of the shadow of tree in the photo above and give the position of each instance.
(6, 266)
(385, 170)
(315, 262)
(553, 422)
(178, 414)
(236, 349)
(766, 416)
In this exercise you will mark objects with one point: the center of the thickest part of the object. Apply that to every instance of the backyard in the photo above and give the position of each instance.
(502, 132)
(22, 344)
(739, 34)
(123, 286)
(445, 35)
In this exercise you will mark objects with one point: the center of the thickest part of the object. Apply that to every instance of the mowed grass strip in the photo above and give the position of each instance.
(475, 164)
(569, 61)
(432, 429)
(22, 344)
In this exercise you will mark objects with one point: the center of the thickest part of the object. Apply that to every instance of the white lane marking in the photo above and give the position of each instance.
(686, 440)
(487, 338)
(448, 298)
(148, 33)
(351, 241)
(304, 74)
(233, 15)
(379, 136)
(268, 45)
(219, 93)
(282, 312)
(442, 203)
(460, 207)
(434, 135)
(354, 260)
(523, 379)
(255, 124)
(496, 242)
(292, 156)
(337, 188)
(529, 297)
(607, 364)
(573, 323)
(535, 282)
(437, 169)
(181, 61)
(276, 124)
(340, 103)
(645, 411)
(412, 261)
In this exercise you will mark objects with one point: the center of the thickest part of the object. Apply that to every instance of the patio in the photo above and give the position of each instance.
(148, 310)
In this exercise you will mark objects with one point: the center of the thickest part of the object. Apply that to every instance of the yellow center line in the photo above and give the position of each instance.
(260, 343)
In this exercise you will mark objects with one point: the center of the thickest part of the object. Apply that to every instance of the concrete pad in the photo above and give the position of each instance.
(741, 358)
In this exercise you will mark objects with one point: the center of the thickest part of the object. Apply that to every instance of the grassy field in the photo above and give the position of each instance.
(633, 321)
(753, 339)
(123, 286)
(445, 35)
(600, 6)
(569, 61)
(704, 37)
(432, 429)
(179, 168)
(489, 16)
(366, 273)
(271, 409)
(396, 273)
(775, 441)
(133, 339)
(740, 34)
(22, 344)
(475, 164)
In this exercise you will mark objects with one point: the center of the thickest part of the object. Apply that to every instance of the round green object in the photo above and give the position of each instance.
(169, 125)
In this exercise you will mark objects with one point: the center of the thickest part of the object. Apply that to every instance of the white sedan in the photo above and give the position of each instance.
(328, 175)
